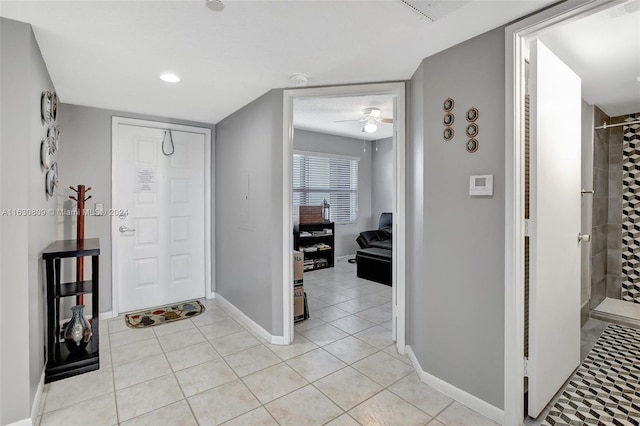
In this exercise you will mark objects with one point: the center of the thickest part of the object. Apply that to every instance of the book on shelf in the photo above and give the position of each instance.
(305, 234)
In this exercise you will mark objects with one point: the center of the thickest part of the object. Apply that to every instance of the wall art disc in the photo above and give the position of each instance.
(448, 104)
(447, 134)
(472, 145)
(45, 153)
(52, 179)
(45, 107)
(54, 106)
(472, 114)
(448, 119)
(472, 130)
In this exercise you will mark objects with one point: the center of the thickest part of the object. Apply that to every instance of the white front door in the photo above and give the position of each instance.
(554, 295)
(160, 243)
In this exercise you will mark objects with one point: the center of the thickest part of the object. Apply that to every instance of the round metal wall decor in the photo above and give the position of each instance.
(45, 107)
(447, 134)
(472, 145)
(472, 114)
(448, 104)
(448, 119)
(51, 180)
(54, 106)
(49, 144)
(472, 130)
(45, 153)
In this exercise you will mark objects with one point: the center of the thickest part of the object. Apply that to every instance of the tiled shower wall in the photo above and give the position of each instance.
(630, 209)
(609, 247)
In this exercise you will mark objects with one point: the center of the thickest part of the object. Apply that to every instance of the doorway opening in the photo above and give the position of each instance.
(346, 233)
(557, 28)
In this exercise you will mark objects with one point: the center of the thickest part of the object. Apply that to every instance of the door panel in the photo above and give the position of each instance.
(554, 328)
(161, 255)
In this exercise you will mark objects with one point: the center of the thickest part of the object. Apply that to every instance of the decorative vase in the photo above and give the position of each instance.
(78, 331)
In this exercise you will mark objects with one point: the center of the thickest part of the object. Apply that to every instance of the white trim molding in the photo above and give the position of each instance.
(105, 315)
(209, 202)
(36, 407)
(465, 398)
(225, 304)
(397, 90)
(23, 422)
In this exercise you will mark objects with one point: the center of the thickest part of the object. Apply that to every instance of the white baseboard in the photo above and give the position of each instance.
(348, 256)
(211, 295)
(105, 315)
(23, 422)
(37, 400)
(274, 340)
(465, 398)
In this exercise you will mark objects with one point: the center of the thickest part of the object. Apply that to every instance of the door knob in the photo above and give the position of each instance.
(124, 229)
(584, 237)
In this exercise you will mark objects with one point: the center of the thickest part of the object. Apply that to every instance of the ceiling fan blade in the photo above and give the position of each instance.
(345, 121)
(386, 120)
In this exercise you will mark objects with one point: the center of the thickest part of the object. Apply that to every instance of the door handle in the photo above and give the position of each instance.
(124, 229)
(584, 237)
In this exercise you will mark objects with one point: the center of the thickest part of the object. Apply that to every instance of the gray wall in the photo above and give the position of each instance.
(456, 314)
(345, 234)
(85, 159)
(248, 223)
(24, 77)
(586, 208)
(381, 178)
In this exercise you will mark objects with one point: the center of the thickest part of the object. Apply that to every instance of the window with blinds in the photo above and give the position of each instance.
(317, 178)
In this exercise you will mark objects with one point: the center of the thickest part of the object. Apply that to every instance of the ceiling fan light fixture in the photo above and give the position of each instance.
(372, 112)
(370, 126)
(215, 5)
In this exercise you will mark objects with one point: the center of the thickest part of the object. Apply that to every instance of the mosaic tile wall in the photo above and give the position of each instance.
(631, 211)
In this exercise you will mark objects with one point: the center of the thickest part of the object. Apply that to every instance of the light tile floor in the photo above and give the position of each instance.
(342, 369)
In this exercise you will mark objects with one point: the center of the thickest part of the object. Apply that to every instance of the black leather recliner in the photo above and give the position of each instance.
(379, 238)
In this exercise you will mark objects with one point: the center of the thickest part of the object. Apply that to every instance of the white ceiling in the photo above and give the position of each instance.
(108, 54)
(604, 50)
(322, 115)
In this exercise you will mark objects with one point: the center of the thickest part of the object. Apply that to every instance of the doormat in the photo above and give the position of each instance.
(164, 314)
(604, 390)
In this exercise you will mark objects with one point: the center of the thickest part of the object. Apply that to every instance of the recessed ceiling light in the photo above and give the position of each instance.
(169, 78)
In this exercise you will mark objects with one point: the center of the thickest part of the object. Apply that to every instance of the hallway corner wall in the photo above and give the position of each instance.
(249, 166)
(455, 313)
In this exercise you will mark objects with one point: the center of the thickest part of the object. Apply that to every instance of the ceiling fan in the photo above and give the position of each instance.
(371, 118)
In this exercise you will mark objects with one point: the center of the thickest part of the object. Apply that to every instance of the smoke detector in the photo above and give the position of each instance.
(215, 5)
(299, 79)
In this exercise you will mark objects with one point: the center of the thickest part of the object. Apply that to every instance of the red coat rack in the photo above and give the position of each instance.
(80, 200)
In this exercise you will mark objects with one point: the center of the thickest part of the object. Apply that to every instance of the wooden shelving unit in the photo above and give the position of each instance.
(310, 235)
(60, 363)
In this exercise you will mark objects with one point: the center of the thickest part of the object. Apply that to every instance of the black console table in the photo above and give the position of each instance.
(60, 363)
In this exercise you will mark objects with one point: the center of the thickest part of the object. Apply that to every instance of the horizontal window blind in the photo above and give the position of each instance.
(317, 178)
